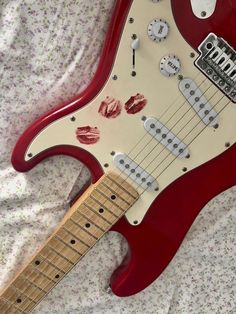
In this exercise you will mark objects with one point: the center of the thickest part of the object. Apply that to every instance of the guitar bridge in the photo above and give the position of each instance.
(218, 62)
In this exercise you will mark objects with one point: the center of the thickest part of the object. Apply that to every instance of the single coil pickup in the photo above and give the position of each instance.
(135, 172)
(198, 102)
(217, 61)
(167, 138)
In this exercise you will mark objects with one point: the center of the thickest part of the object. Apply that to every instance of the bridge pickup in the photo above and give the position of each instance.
(164, 136)
(218, 62)
(198, 101)
(135, 172)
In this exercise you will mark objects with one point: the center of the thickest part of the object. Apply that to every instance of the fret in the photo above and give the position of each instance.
(33, 284)
(10, 307)
(112, 187)
(94, 218)
(75, 244)
(89, 221)
(81, 228)
(103, 210)
(23, 296)
(38, 279)
(64, 251)
(47, 268)
(7, 308)
(122, 183)
(3, 306)
(102, 199)
(124, 205)
(20, 292)
(38, 271)
(17, 300)
(100, 214)
(56, 260)
(76, 236)
(89, 227)
(28, 289)
(80, 233)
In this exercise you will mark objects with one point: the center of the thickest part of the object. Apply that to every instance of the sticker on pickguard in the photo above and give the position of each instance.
(110, 108)
(135, 104)
(88, 135)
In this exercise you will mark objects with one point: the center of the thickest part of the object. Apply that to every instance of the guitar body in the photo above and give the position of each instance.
(157, 224)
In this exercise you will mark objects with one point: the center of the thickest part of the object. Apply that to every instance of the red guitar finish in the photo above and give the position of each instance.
(155, 241)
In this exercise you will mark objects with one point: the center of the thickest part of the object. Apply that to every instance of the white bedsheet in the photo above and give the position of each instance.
(48, 53)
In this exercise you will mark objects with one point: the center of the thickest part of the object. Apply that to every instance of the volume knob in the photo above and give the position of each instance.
(158, 30)
(170, 65)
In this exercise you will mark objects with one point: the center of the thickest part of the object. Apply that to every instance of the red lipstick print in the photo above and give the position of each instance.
(135, 104)
(110, 108)
(88, 135)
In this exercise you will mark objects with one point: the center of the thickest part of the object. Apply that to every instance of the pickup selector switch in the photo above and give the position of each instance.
(158, 30)
(170, 65)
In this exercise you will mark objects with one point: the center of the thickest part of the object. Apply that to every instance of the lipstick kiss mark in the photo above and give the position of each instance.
(88, 135)
(110, 108)
(135, 104)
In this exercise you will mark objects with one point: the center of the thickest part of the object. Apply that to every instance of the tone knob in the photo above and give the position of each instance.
(158, 30)
(170, 65)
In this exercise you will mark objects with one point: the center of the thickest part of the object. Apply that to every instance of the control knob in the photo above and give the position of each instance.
(158, 30)
(170, 65)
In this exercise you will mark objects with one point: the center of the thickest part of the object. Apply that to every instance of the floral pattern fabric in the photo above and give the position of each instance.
(48, 53)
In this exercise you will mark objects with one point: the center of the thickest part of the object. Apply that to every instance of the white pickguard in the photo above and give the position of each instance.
(203, 8)
(125, 131)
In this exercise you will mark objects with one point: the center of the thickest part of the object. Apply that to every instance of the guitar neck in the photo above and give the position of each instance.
(86, 222)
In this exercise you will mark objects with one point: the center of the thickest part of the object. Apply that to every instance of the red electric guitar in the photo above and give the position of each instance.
(156, 127)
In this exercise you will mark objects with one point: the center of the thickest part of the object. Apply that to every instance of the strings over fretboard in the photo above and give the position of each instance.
(87, 221)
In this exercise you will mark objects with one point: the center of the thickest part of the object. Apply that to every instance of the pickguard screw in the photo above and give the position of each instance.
(115, 77)
(30, 155)
(134, 36)
(192, 55)
(72, 119)
(135, 222)
(113, 153)
(227, 144)
(188, 156)
(133, 73)
(180, 77)
(106, 165)
(216, 126)
(185, 169)
(144, 118)
(156, 189)
(131, 20)
(203, 13)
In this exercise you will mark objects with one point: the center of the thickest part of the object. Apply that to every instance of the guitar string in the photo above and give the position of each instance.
(122, 172)
(152, 139)
(45, 259)
(145, 157)
(157, 143)
(74, 264)
(177, 133)
(191, 140)
(190, 132)
(175, 157)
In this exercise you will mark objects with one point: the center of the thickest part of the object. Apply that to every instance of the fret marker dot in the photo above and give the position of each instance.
(18, 300)
(113, 197)
(101, 210)
(57, 276)
(87, 225)
(37, 262)
(72, 241)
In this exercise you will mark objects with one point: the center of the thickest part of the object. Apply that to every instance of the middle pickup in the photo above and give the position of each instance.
(166, 137)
